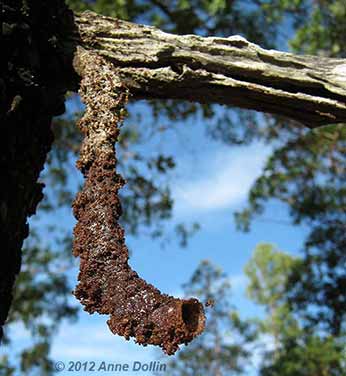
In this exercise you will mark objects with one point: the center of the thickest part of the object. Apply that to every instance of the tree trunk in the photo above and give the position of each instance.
(36, 69)
(230, 71)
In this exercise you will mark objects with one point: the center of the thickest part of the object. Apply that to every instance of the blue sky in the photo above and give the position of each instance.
(211, 180)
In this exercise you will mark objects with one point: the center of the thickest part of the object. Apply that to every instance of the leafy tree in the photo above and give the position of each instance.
(306, 172)
(268, 272)
(295, 350)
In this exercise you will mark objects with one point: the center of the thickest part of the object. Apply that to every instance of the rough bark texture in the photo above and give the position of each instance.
(107, 284)
(36, 68)
(229, 71)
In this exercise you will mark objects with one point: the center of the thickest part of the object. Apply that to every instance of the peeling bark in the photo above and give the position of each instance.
(107, 284)
(230, 71)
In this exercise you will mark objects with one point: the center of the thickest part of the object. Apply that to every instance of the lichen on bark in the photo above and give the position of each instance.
(107, 284)
(230, 71)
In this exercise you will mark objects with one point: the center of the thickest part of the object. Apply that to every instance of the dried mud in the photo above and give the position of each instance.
(107, 284)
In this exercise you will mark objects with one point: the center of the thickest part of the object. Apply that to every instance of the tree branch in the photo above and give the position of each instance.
(230, 71)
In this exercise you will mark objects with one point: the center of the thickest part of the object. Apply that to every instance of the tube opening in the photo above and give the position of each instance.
(192, 315)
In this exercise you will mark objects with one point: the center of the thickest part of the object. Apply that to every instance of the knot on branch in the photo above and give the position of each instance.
(107, 284)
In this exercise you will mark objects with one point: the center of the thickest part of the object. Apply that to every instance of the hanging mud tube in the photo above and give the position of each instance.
(107, 284)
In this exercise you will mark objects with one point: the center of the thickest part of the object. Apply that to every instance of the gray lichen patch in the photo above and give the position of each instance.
(339, 75)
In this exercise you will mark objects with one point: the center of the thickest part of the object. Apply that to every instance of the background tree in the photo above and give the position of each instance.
(305, 172)
(295, 350)
(268, 272)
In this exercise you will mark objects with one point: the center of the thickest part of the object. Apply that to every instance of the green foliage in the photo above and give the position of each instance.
(37, 357)
(296, 350)
(268, 274)
(317, 287)
(307, 173)
(308, 355)
(325, 32)
(6, 369)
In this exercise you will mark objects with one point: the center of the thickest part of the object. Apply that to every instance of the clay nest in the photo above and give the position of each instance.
(107, 284)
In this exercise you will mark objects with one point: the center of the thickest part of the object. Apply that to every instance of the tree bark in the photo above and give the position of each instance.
(36, 69)
(230, 71)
